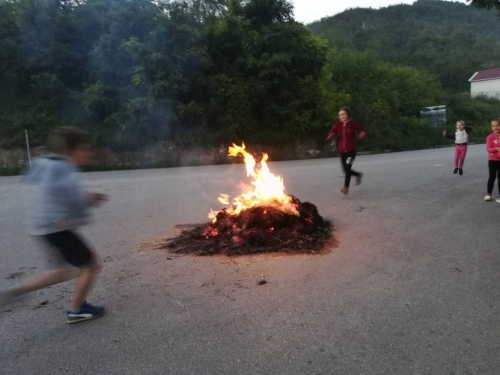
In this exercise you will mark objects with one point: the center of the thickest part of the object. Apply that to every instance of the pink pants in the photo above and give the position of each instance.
(460, 152)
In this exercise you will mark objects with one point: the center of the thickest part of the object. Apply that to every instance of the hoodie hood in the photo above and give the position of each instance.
(59, 201)
(51, 166)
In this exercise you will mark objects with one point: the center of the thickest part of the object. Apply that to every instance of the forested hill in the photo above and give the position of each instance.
(205, 72)
(449, 39)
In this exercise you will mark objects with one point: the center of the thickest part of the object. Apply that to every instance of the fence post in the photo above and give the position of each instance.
(28, 146)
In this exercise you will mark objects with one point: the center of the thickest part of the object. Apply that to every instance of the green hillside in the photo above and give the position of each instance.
(448, 39)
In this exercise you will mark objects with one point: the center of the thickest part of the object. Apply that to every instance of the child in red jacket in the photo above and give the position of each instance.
(346, 130)
(493, 148)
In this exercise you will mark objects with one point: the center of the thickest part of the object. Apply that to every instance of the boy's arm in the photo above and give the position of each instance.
(73, 193)
(97, 198)
(362, 131)
(65, 185)
(332, 131)
(84, 199)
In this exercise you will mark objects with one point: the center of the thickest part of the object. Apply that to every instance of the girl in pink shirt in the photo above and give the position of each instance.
(493, 148)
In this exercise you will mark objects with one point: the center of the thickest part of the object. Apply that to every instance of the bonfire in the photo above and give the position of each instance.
(261, 220)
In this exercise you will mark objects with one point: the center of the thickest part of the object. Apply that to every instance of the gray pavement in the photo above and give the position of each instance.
(412, 288)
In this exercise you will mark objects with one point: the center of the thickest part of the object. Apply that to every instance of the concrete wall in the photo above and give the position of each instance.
(165, 154)
(18, 157)
(489, 88)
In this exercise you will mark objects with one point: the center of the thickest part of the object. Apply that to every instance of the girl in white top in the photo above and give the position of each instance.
(461, 138)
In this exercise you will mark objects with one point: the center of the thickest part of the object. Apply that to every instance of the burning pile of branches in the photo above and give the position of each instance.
(262, 220)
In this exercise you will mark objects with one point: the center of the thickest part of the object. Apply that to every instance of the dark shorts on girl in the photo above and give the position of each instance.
(68, 248)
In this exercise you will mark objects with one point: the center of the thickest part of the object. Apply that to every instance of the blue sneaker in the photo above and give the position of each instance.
(86, 312)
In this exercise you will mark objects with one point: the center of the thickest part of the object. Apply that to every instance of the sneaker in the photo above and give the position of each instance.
(358, 179)
(86, 312)
(497, 200)
(487, 198)
(455, 171)
(460, 171)
(344, 190)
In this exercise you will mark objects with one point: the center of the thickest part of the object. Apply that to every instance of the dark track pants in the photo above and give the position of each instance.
(347, 159)
(494, 168)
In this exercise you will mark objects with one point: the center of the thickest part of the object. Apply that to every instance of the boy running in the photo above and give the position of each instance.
(60, 206)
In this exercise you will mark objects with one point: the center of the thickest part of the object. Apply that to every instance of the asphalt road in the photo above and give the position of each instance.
(412, 288)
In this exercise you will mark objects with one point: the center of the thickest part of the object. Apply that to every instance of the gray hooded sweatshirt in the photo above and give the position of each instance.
(58, 199)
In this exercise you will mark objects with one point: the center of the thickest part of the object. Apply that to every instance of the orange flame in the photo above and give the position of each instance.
(268, 189)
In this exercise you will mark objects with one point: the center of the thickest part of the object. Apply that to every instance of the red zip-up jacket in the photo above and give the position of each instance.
(346, 134)
(492, 143)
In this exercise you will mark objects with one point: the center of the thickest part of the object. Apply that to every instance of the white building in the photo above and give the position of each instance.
(486, 82)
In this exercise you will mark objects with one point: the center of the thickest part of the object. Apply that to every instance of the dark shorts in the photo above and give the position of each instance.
(69, 248)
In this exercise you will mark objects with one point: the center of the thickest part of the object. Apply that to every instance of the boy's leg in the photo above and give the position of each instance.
(81, 310)
(83, 285)
(355, 173)
(347, 179)
(47, 279)
(346, 169)
(343, 158)
(36, 283)
(76, 252)
(73, 251)
(60, 275)
(350, 157)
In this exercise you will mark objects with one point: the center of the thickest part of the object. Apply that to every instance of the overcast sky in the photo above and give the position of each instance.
(311, 10)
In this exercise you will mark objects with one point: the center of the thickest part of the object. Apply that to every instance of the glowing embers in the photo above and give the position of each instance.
(262, 219)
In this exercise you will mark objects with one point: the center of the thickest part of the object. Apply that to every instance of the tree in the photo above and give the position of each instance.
(202, 72)
(41, 64)
(486, 4)
(386, 98)
(264, 75)
(448, 39)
